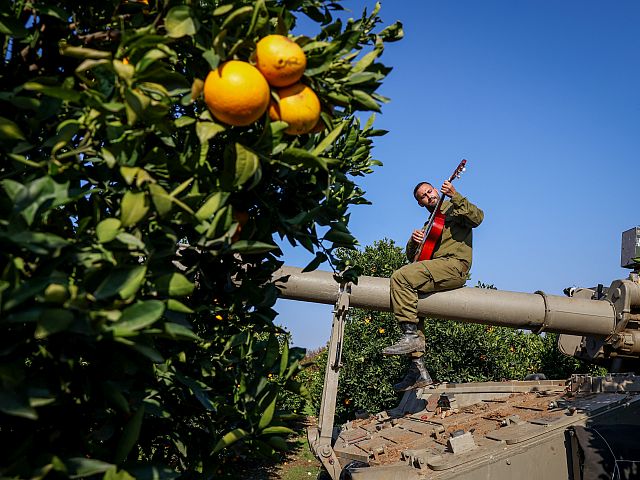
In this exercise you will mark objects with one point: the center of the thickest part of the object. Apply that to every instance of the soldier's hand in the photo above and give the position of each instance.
(417, 236)
(448, 189)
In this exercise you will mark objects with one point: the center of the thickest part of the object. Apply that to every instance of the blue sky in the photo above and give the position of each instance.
(543, 99)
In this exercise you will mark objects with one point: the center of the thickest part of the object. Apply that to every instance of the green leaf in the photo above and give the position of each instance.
(180, 22)
(273, 351)
(298, 156)
(246, 165)
(11, 27)
(365, 61)
(212, 58)
(114, 474)
(250, 246)
(113, 392)
(175, 285)
(133, 208)
(84, 467)
(53, 320)
(365, 100)
(161, 199)
(9, 130)
(237, 15)
(108, 229)
(363, 77)
(278, 443)
(316, 262)
(277, 430)
(12, 188)
(124, 282)
(329, 140)
(55, 92)
(149, 352)
(229, 438)
(17, 406)
(284, 359)
(183, 121)
(130, 240)
(392, 33)
(267, 415)
(41, 192)
(176, 306)
(222, 10)
(52, 11)
(180, 331)
(137, 317)
(207, 130)
(212, 205)
(336, 236)
(199, 389)
(129, 436)
(26, 290)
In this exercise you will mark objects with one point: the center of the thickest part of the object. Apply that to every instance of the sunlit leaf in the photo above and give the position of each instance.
(180, 22)
(108, 229)
(137, 317)
(133, 208)
(229, 439)
(175, 285)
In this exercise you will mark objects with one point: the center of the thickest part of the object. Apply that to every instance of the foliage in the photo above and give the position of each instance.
(123, 353)
(456, 352)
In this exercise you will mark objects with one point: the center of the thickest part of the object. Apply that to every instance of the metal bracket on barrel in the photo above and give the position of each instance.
(320, 438)
(547, 312)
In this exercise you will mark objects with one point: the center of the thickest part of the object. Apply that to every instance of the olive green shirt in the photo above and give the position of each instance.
(455, 245)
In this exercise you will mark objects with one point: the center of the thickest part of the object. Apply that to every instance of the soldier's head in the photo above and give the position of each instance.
(426, 195)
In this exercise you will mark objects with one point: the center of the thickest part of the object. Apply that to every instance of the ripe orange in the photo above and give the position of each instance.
(299, 107)
(236, 93)
(281, 60)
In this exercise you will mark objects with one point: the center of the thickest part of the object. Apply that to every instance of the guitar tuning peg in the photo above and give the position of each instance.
(464, 169)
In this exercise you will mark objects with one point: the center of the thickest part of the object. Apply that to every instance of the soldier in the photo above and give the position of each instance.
(448, 269)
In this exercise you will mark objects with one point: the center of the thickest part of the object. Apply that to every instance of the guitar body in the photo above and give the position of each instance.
(429, 245)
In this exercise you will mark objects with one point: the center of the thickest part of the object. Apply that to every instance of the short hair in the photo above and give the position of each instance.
(418, 186)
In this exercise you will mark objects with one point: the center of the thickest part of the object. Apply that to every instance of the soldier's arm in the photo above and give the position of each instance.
(463, 208)
(410, 249)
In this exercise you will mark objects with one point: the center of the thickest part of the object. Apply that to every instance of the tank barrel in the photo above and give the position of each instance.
(532, 311)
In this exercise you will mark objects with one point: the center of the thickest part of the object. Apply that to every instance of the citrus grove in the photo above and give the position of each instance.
(154, 155)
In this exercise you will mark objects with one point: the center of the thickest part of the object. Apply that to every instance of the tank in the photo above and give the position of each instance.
(577, 428)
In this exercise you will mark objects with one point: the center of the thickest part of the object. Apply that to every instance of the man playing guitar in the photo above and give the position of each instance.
(446, 269)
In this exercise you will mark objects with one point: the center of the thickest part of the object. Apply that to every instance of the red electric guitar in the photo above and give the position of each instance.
(433, 229)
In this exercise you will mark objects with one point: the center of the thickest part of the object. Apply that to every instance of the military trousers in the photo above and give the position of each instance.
(415, 278)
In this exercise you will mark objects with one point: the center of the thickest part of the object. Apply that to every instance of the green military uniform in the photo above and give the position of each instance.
(447, 269)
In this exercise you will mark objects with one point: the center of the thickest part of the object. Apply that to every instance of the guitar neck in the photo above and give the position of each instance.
(432, 217)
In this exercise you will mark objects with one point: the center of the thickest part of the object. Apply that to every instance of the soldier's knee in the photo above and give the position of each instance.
(398, 278)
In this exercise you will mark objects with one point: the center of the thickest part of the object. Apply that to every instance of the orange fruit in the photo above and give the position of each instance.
(236, 93)
(241, 217)
(299, 107)
(281, 60)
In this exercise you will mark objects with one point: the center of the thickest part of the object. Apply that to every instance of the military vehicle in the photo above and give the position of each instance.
(581, 428)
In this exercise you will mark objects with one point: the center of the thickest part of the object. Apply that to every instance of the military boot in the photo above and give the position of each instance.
(417, 377)
(410, 341)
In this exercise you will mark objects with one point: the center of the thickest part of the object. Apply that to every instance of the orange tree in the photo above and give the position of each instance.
(138, 232)
(456, 352)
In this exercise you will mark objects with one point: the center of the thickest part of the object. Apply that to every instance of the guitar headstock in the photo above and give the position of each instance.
(459, 170)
